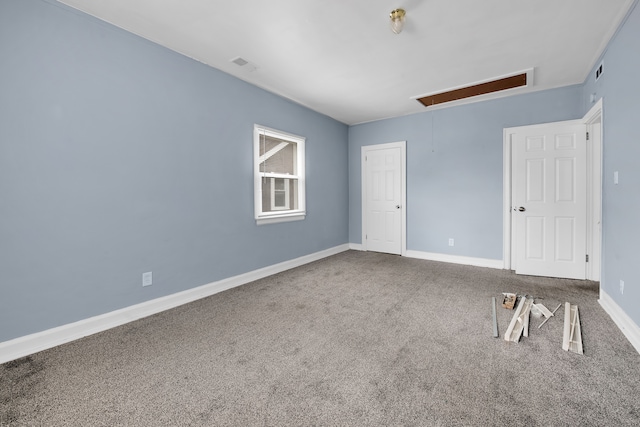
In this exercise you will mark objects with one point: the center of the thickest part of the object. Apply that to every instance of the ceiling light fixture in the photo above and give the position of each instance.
(397, 20)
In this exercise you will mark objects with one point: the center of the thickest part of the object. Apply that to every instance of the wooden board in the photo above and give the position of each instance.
(514, 320)
(572, 335)
(519, 320)
(552, 313)
(522, 320)
(544, 310)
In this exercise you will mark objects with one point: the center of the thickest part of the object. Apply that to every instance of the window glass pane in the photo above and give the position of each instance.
(276, 200)
(280, 199)
(277, 156)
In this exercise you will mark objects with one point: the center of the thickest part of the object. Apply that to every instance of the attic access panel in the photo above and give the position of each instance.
(475, 90)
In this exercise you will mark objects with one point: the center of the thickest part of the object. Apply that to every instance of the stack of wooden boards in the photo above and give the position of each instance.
(519, 325)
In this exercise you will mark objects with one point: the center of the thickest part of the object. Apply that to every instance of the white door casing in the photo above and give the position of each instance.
(593, 120)
(384, 197)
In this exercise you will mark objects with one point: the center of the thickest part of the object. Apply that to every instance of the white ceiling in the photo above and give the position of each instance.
(341, 59)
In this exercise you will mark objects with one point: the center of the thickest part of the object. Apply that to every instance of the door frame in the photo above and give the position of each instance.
(403, 185)
(595, 175)
(594, 189)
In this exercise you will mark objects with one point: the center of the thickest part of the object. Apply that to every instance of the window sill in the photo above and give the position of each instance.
(280, 218)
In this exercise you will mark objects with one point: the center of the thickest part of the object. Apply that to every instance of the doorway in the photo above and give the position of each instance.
(384, 198)
(558, 242)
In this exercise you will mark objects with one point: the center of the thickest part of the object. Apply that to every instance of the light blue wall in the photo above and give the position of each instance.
(118, 156)
(454, 168)
(619, 87)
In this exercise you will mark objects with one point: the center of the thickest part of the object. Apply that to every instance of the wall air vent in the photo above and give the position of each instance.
(599, 71)
(522, 79)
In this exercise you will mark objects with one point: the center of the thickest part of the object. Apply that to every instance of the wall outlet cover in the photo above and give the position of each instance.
(147, 279)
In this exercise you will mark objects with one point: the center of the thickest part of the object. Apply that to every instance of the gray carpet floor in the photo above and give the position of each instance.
(357, 339)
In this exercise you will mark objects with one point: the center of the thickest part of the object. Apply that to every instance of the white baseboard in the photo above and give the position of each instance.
(457, 259)
(355, 246)
(628, 327)
(29, 344)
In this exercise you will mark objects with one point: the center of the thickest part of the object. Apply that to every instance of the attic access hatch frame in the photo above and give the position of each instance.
(478, 91)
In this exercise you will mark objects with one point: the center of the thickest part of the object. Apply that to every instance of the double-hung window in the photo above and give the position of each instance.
(278, 176)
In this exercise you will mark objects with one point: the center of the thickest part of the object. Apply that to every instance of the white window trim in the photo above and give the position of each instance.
(284, 215)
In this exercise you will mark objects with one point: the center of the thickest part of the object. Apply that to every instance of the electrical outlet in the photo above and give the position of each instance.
(615, 177)
(621, 286)
(450, 242)
(147, 279)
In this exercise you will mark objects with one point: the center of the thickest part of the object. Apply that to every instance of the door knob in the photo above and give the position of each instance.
(521, 209)
(397, 206)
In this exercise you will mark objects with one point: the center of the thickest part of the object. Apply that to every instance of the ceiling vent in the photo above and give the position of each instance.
(522, 79)
(240, 61)
(245, 65)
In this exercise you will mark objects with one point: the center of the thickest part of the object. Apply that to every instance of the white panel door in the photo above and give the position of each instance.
(549, 170)
(383, 200)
